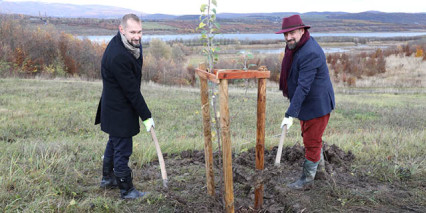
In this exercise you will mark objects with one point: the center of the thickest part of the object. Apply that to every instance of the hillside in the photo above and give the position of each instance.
(103, 19)
(63, 10)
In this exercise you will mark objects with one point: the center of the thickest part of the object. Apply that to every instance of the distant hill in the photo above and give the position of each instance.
(64, 10)
(64, 16)
(159, 16)
(400, 18)
(98, 11)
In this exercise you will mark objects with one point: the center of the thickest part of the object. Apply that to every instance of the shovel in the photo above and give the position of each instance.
(280, 146)
(160, 157)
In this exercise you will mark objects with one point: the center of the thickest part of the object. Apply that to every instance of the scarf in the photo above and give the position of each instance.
(134, 50)
(288, 60)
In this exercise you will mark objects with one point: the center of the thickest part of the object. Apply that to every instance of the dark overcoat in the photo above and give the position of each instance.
(122, 102)
(309, 87)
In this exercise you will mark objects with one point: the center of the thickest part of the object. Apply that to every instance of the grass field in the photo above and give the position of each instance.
(50, 151)
(82, 30)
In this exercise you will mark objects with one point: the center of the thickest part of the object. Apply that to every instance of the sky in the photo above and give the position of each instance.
(187, 7)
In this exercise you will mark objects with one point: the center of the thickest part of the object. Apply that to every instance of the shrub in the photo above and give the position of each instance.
(165, 64)
(191, 73)
(419, 52)
(159, 49)
(47, 52)
(350, 67)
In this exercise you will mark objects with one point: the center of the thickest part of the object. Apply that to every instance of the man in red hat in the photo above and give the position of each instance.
(305, 81)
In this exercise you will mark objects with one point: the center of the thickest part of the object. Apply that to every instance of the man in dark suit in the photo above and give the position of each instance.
(122, 104)
(305, 81)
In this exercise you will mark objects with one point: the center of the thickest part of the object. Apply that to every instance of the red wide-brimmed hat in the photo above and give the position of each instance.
(292, 23)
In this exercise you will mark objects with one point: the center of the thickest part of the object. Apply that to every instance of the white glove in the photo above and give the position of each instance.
(148, 124)
(287, 121)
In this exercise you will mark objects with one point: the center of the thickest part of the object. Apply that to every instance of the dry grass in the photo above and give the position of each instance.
(401, 71)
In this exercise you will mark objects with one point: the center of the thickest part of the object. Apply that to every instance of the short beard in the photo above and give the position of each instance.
(292, 46)
(134, 45)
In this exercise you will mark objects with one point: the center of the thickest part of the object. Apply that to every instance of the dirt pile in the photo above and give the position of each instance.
(187, 184)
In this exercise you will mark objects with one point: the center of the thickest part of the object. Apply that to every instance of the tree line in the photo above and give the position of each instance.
(28, 52)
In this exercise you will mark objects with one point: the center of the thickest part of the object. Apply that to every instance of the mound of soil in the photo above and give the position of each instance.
(338, 190)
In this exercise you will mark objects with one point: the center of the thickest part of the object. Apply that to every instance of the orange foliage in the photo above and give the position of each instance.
(419, 52)
(19, 57)
(351, 81)
(47, 52)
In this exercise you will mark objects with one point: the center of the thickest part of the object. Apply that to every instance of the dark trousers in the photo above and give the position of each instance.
(312, 131)
(119, 149)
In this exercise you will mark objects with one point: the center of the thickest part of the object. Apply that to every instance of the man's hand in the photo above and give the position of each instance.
(149, 123)
(287, 121)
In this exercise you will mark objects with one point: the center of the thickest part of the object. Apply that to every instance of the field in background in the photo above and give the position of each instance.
(372, 21)
(50, 151)
(45, 51)
(401, 72)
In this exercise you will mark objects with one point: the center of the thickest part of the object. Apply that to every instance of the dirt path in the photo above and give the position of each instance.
(342, 189)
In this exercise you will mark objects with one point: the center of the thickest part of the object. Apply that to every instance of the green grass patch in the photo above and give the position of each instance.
(50, 150)
(156, 26)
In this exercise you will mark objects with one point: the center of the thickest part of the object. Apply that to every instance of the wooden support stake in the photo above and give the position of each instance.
(260, 140)
(226, 146)
(208, 150)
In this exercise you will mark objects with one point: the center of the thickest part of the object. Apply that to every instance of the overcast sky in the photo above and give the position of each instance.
(180, 7)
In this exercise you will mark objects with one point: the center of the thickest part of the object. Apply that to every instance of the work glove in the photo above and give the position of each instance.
(149, 123)
(287, 121)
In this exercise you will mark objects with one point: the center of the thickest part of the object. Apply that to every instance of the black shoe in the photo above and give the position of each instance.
(127, 191)
(132, 194)
(109, 182)
(108, 178)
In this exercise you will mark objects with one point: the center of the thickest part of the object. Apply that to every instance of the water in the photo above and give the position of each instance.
(264, 36)
(280, 50)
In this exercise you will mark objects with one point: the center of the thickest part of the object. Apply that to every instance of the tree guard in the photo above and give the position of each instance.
(221, 77)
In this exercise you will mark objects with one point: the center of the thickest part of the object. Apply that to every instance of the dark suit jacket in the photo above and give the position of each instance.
(121, 103)
(309, 87)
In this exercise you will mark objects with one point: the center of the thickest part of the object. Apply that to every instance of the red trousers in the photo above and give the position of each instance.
(312, 131)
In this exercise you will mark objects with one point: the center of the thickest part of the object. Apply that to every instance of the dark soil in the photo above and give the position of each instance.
(342, 188)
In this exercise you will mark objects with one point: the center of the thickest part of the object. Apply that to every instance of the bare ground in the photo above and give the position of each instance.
(343, 188)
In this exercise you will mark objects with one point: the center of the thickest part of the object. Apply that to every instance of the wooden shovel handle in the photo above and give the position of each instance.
(160, 157)
(280, 146)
